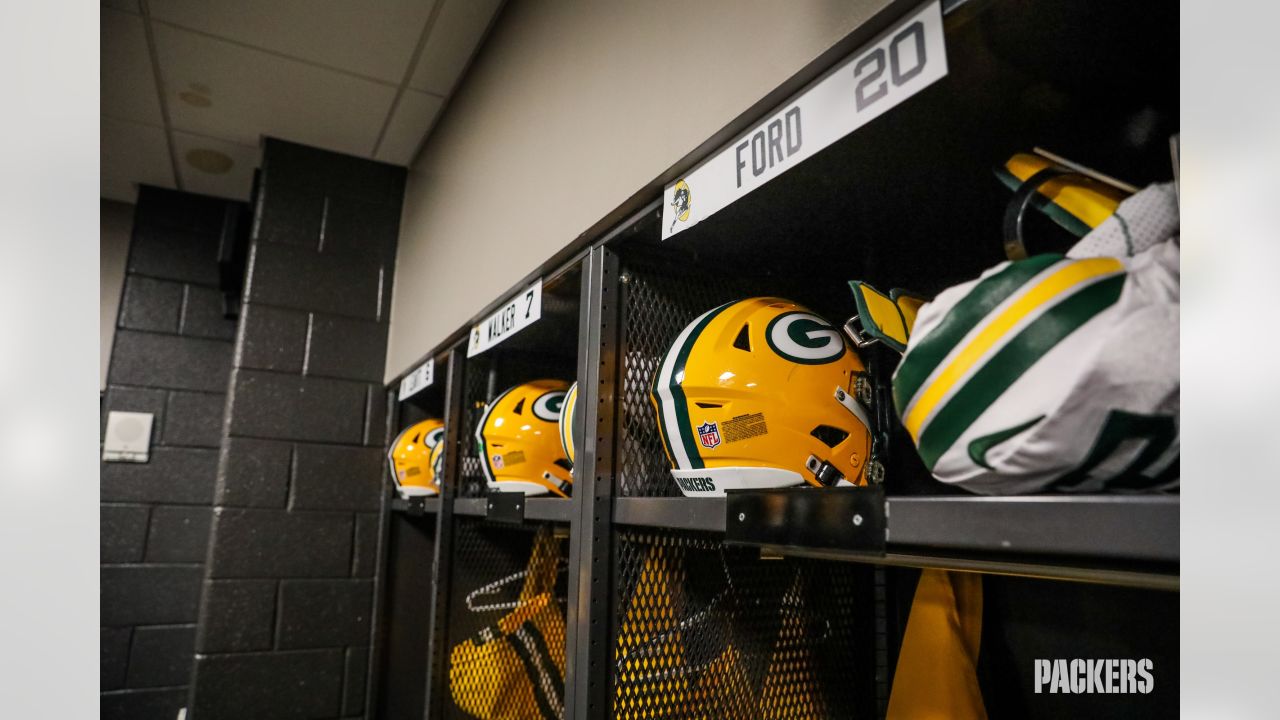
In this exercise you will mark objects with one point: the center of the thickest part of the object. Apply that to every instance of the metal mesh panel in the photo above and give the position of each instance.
(476, 394)
(659, 303)
(703, 631)
(882, 641)
(506, 658)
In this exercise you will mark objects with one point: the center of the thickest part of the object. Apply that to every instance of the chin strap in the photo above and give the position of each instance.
(828, 476)
(555, 484)
(824, 472)
(861, 404)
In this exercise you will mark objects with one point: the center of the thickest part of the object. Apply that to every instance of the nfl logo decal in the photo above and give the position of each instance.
(497, 462)
(709, 434)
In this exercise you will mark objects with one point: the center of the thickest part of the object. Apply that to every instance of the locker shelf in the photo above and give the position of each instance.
(1113, 539)
(416, 506)
(1121, 527)
(677, 513)
(536, 509)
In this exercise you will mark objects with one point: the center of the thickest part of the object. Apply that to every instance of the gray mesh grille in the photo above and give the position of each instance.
(659, 302)
(476, 380)
(706, 631)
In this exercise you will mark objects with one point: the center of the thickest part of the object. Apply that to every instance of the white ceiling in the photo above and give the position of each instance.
(365, 77)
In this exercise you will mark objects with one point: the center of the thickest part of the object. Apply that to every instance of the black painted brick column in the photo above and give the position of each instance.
(287, 597)
(171, 358)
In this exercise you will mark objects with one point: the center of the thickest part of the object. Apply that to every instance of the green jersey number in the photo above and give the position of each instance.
(1158, 431)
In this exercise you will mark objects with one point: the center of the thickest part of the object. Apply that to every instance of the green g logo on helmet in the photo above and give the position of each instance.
(433, 438)
(547, 407)
(804, 338)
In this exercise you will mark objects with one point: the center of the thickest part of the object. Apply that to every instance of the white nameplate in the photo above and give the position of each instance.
(418, 380)
(899, 63)
(515, 315)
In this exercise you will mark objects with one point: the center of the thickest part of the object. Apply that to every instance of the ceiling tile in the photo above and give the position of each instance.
(132, 153)
(219, 89)
(375, 41)
(127, 82)
(412, 119)
(118, 189)
(200, 162)
(453, 38)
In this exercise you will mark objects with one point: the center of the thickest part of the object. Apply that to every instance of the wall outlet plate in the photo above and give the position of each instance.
(128, 437)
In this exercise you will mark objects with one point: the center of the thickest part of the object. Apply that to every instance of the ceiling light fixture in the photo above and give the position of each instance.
(194, 99)
(210, 161)
(197, 95)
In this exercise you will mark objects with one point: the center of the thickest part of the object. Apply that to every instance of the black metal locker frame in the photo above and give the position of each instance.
(586, 674)
(380, 578)
(441, 563)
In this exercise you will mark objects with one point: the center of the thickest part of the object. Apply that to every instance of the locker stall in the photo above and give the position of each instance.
(406, 592)
(508, 562)
(400, 683)
(495, 555)
(795, 603)
(547, 349)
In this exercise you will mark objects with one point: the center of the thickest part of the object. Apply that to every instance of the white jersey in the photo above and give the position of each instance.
(1056, 373)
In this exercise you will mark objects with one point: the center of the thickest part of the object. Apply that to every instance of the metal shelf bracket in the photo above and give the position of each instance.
(851, 520)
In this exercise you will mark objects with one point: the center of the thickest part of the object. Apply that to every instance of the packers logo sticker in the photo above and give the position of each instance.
(547, 406)
(804, 338)
(709, 435)
(433, 438)
(681, 201)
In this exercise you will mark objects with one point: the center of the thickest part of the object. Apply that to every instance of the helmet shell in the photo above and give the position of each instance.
(409, 458)
(758, 393)
(519, 440)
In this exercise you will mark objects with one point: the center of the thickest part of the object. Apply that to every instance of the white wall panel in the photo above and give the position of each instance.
(570, 108)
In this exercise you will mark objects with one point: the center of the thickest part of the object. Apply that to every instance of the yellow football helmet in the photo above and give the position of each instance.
(519, 441)
(410, 458)
(762, 393)
(567, 420)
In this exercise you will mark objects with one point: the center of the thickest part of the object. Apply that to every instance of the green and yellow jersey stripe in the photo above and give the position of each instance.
(968, 378)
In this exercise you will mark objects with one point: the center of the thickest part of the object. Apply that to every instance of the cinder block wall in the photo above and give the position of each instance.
(172, 358)
(287, 599)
